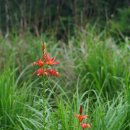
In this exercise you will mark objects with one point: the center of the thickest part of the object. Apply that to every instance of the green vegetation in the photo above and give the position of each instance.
(120, 24)
(57, 16)
(90, 38)
(94, 70)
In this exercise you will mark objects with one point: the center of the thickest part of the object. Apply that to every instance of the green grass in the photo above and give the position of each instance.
(94, 72)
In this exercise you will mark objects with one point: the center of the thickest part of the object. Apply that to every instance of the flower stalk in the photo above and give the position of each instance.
(44, 104)
(43, 71)
(81, 117)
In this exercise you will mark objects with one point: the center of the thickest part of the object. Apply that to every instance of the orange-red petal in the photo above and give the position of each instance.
(80, 117)
(48, 60)
(85, 125)
(39, 63)
(40, 72)
(53, 72)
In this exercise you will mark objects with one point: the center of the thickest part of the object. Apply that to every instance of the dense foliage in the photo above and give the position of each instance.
(94, 70)
(37, 16)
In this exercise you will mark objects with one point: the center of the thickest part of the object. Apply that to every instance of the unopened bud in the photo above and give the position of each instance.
(80, 111)
(43, 46)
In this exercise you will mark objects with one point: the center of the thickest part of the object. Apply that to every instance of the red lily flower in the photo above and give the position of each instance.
(53, 72)
(85, 125)
(39, 63)
(40, 72)
(48, 60)
(80, 117)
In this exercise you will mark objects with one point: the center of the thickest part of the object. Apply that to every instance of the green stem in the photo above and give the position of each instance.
(44, 104)
(79, 125)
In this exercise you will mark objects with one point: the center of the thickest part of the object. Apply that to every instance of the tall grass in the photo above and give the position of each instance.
(94, 72)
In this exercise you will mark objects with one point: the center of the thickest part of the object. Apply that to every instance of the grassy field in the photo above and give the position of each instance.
(94, 71)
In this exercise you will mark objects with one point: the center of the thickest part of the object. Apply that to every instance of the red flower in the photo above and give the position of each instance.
(85, 125)
(40, 72)
(53, 72)
(48, 60)
(39, 63)
(80, 117)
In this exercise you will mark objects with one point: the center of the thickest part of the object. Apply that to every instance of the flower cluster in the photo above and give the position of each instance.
(81, 117)
(43, 64)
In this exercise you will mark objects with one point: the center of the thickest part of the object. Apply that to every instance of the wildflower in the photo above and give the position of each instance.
(48, 60)
(53, 72)
(40, 72)
(80, 117)
(39, 63)
(85, 125)
(44, 70)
